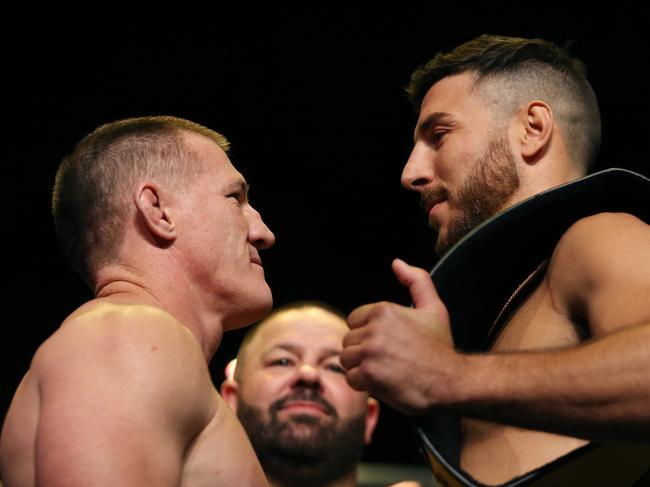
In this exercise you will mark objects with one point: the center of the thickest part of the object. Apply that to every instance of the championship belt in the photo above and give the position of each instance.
(484, 270)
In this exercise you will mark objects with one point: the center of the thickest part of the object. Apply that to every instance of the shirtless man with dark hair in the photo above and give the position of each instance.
(500, 120)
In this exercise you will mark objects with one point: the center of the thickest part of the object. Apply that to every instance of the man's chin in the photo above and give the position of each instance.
(442, 244)
(265, 303)
(303, 429)
(256, 308)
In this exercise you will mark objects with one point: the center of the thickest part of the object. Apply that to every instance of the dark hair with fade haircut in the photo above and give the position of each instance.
(519, 70)
(252, 331)
(93, 185)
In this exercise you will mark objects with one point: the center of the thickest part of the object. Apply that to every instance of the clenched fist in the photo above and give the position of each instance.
(404, 356)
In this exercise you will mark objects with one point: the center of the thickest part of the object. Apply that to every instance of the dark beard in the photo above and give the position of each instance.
(483, 194)
(304, 449)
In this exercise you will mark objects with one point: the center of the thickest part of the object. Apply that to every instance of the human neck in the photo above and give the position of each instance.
(121, 285)
(543, 177)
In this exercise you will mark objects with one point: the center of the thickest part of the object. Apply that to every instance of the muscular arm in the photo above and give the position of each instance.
(122, 393)
(600, 275)
(598, 390)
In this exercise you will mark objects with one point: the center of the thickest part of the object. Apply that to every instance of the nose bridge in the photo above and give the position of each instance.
(259, 234)
(418, 170)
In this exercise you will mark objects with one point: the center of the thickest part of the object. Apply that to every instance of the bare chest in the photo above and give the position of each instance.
(497, 452)
(535, 323)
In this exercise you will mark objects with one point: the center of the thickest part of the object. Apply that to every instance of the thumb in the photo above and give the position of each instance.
(418, 281)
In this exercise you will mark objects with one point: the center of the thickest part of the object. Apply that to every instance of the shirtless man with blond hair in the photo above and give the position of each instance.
(156, 220)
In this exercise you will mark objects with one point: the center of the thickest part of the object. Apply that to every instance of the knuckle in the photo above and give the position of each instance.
(383, 309)
(374, 347)
(367, 370)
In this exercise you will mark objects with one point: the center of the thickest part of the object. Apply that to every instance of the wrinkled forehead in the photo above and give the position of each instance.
(312, 329)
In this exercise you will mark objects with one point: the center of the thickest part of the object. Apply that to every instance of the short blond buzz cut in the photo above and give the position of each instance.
(90, 199)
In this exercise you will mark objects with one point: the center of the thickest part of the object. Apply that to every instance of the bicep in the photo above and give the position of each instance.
(601, 272)
(93, 441)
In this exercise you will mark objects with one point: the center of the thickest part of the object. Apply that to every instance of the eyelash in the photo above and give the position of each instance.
(284, 362)
(336, 368)
(237, 196)
(281, 361)
(437, 136)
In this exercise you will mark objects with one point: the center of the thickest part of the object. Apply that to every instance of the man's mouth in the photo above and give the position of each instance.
(308, 407)
(255, 259)
(307, 402)
(430, 204)
(432, 198)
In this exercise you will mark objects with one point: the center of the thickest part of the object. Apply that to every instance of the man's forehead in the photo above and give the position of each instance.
(202, 143)
(311, 326)
(447, 93)
(206, 149)
(216, 159)
(453, 99)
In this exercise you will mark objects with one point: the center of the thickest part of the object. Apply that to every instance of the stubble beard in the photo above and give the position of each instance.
(303, 449)
(485, 192)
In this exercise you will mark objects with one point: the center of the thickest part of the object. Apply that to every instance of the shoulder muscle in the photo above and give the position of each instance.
(600, 270)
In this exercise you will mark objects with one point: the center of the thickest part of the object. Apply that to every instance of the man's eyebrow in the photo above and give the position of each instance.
(330, 352)
(239, 186)
(284, 346)
(432, 120)
(297, 350)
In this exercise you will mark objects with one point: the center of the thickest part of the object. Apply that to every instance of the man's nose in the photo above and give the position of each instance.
(308, 374)
(259, 235)
(418, 172)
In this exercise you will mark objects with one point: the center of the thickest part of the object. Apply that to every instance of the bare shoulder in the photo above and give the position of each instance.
(119, 331)
(601, 244)
(135, 348)
(600, 268)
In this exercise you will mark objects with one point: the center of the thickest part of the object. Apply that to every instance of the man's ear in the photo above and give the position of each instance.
(153, 206)
(372, 416)
(537, 123)
(229, 389)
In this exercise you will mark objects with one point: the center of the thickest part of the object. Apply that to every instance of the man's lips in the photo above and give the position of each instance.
(255, 259)
(304, 401)
(305, 406)
(430, 204)
(432, 197)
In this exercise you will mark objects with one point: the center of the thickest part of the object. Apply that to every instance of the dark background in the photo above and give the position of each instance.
(312, 102)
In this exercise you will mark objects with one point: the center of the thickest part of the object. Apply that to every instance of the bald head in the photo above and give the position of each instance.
(306, 424)
(304, 312)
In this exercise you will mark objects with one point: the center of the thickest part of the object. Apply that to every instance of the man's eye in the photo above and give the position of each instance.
(335, 368)
(437, 136)
(282, 362)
